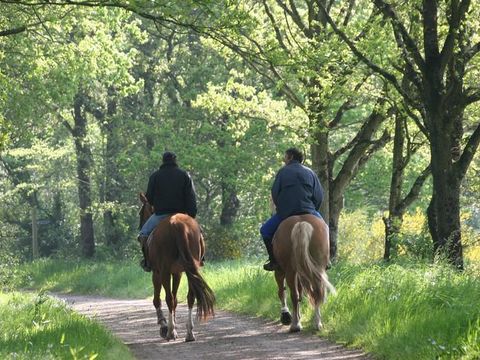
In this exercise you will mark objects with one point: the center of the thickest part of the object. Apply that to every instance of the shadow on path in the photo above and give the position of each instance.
(226, 336)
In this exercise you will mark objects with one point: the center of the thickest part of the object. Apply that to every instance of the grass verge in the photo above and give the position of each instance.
(400, 311)
(40, 327)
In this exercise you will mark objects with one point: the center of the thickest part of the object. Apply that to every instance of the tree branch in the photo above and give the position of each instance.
(13, 31)
(456, 16)
(374, 147)
(293, 13)
(278, 33)
(468, 152)
(471, 52)
(414, 191)
(399, 28)
(362, 143)
(375, 68)
(473, 95)
(347, 105)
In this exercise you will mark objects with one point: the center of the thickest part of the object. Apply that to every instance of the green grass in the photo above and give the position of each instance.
(402, 311)
(39, 327)
(410, 311)
(119, 279)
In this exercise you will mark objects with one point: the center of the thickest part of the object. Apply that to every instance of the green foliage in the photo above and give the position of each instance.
(40, 327)
(359, 238)
(362, 236)
(150, 88)
(9, 267)
(233, 242)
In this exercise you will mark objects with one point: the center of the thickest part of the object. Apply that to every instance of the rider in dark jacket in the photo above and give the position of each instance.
(170, 190)
(296, 190)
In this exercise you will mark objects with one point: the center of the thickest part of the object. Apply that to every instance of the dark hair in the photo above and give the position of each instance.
(169, 157)
(295, 154)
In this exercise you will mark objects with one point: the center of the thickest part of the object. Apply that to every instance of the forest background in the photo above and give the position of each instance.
(382, 98)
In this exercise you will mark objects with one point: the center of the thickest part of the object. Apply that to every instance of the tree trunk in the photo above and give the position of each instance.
(84, 163)
(432, 221)
(437, 60)
(35, 250)
(446, 204)
(230, 204)
(320, 154)
(336, 207)
(320, 164)
(395, 218)
(359, 150)
(362, 147)
(112, 177)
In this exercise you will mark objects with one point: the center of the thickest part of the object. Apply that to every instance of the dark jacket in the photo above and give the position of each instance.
(296, 190)
(170, 190)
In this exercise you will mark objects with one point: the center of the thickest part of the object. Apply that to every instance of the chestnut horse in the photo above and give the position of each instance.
(175, 246)
(301, 248)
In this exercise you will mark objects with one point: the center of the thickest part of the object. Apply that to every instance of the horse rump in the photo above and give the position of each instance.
(311, 272)
(188, 240)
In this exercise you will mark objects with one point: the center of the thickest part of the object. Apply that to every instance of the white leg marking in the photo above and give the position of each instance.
(318, 318)
(190, 336)
(172, 333)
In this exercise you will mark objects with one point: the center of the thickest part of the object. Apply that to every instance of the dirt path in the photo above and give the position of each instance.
(227, 336)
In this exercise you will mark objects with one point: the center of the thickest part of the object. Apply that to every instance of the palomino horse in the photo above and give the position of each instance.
(301, 248)
(175, 246)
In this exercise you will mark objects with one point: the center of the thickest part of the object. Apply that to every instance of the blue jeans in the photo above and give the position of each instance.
(270, 226)
(151, 223)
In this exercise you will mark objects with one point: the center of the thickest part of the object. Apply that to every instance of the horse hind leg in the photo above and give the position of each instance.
(295, 297)
(158, 304)
(190, 300)
(326, 286)
(169, 299)
(317, 320)
(285, 316)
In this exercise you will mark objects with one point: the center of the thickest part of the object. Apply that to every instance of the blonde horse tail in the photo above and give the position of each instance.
(202, 292)
(311, 273)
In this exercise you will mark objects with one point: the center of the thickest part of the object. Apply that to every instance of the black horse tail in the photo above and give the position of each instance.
(202, 292)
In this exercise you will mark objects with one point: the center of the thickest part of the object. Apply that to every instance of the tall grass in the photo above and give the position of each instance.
(409, 311)
(39, 327)
(117, 279)
(401, 311)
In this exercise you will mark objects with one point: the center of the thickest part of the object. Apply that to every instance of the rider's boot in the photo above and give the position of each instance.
(144, 263)
(271, 264)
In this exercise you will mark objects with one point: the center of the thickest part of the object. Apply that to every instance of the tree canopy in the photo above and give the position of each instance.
(382, 98)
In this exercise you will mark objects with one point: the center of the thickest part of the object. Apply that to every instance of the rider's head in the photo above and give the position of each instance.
(169, 157)
(293, 154)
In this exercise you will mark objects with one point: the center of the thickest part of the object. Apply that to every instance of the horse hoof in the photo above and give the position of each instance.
(190, 338)
(294, 329)
(286, 318)
(163, 332)
(172, 336)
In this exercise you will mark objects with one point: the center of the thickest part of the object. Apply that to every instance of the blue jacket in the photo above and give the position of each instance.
(296, 190)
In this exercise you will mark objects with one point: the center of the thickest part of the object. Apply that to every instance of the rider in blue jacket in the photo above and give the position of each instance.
(295, 191)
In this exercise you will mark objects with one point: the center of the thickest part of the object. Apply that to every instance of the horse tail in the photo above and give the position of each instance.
(202, 292)
(311, 274)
